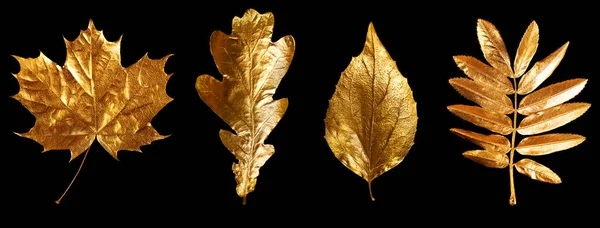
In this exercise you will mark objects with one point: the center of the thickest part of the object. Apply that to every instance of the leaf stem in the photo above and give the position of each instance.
(513, 197)
(76, 174)
(371, 192)
(244, 200)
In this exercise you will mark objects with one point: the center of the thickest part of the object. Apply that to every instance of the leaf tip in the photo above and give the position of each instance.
(371, 26)
(371, 30)
(70, 159)
(165, 136)
(453, 80)
(116, 157)
(454, 130)
(91, 25)
(166, 58)
(482, 22)
(561, 51)
(451, 107)
(584, 105)
(458, 59)
(19, 59)
(534, 24)
(169, 76)
(118, 41)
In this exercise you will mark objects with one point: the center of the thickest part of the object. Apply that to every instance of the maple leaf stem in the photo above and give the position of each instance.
(244, 200)
(513, 198)
(76, 174)
(371, 192)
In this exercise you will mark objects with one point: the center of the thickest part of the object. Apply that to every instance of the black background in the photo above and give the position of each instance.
(191, 170)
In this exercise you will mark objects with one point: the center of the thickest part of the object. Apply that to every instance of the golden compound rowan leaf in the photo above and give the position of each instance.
(372, 116)
(252, 67)
(92, 97)
(545, 109)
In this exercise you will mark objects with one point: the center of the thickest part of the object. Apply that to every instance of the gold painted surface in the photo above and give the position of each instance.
(252, 67)
(372, 117)
(92, 97)
(545, 109)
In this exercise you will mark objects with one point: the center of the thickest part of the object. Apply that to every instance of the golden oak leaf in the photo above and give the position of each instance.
(371, 120)
(545, 109)
(92, 97)
(252, 67)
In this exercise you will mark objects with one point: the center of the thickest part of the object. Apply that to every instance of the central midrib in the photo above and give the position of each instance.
(252, 108)
(92, 85)
(372, 107)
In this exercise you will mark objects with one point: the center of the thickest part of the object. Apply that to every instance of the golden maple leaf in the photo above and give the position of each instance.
(92, 97)
(545, 109)
(372, 116)
(252, 67)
